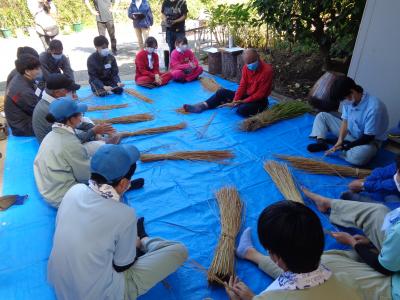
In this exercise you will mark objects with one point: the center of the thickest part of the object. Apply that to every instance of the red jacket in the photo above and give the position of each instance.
(180, 61)
(142, 65)
(256, 85)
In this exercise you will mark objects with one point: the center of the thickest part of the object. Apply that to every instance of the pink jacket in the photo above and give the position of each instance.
(180, 61)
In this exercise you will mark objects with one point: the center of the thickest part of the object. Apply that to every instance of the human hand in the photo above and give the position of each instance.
(356, 186)
(229, 288)
(192, 65)
(239, 289)
(344, 238)
(107, 88)
(120, 84)
(231, 104)
(94, 13)
(157, 79)
(103, 128)
(360, 239)
(335, 148)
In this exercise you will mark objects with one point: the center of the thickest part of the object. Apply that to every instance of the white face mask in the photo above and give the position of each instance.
(105, 52)
(182, 48)
(150, 50)
(396, 181)
(57, 56)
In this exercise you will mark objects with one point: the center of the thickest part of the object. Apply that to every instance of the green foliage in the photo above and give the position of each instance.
(332, 24)
(14, 14)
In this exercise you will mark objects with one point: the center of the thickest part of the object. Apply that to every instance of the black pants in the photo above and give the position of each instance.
(171, 36)
(223, 96)
(99, 91)
(102, 26)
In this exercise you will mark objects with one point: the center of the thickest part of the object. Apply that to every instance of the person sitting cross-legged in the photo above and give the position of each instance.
(103, 69)
(184, 65)
(94, 254)
(373, 261)
(148, 68)
(252, 94)
(362, 129)
(293, 236)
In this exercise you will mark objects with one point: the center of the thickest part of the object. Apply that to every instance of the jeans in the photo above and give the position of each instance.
(102, 26)
(223, 96)
(170, 37)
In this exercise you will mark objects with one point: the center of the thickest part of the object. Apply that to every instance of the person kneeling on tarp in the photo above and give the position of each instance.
(252, 94)
(293, 236)
(374, 261)
(184, 65)
(361, 130)
(94, 253)
(148, 68)
(103, 69)
(382, 185)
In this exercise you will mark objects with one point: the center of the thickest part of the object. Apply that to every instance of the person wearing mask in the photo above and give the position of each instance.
(293, 236)
(252, 94)
(103, 69)
(174, 14)
(373, 261)
(21, 98)
(382, 185)
(361, 130)
(58, 86)
(103, 10)
(184, 66)
(54, 61)
(140, 12)
(147, 66)
(95, 246)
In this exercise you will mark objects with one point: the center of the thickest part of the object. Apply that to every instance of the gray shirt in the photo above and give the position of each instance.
(92, 233)
(52, 66)
(103, 8)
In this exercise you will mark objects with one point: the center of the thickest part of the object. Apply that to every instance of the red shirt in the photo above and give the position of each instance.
(142, 65)
(256, 85)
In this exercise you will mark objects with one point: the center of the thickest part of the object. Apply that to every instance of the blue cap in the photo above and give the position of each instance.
(114, 161)
(65, 107)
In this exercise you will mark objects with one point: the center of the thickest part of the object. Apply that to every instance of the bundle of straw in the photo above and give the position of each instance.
(284, 181)
(126, 119)
(154, 130)
(136, 94)
(209, 84)
(319, 167)
(189, 155)
(107, 107)
(277, 113)
(230, 207)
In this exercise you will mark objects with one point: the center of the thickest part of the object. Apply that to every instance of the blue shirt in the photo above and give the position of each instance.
(389, 257)
(369, 117)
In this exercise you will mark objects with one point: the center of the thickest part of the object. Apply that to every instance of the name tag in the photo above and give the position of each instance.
(38, 92)
(107, 66)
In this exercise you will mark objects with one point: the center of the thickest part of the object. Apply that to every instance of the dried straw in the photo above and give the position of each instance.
(107, 107)
(230, 207)
(182, 111)
(207, 125)
(319, 167)
(209, 84)
(284, 180)
(189, 155)
(136, 94)
(126, 119)
(155, 130)
(277, 113)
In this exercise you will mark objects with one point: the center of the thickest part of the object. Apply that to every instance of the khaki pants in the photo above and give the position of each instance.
(368, 217)
(161, 258)
(142, 34)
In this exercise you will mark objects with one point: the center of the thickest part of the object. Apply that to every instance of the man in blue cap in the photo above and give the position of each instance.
(94, 253)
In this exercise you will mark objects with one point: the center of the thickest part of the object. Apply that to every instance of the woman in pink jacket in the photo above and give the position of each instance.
(184, 66)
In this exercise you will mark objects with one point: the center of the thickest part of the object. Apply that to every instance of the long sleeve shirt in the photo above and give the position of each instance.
(51, 66)
(147, 20)
(182, 60)
(255, 85)
(381, 180)
(102, 70)
(142, 65)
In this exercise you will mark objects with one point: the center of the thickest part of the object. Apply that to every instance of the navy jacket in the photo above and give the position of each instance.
(102, 70)
(381, 181)
(144, 9)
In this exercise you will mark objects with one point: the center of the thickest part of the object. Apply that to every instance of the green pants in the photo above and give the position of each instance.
(161, 258)
(367, 217)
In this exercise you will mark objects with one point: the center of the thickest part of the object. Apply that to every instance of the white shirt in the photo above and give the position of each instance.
(138, 3)
(150, 59)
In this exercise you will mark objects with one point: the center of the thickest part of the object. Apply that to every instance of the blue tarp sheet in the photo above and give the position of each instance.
(178, 198)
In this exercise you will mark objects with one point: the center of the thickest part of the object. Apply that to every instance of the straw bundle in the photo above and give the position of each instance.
(209, 84)
(155, 130)
(283, 180)
(230, 207)
(136, 94)
(107, 107)
(126, 119)
(189, 155)
(277, 113)
(319, 167)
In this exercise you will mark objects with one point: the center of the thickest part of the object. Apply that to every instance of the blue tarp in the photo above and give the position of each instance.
(178, 198)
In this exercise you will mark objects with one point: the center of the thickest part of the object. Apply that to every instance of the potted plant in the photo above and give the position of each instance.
(75, 14)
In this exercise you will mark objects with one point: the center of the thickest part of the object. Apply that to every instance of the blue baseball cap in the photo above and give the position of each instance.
(114, 161)
(65, 107)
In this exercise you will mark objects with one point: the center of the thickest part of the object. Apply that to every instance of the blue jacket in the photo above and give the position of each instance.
(381, 180)
(145, 9)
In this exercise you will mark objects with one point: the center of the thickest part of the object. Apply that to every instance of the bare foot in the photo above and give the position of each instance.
(323, 203)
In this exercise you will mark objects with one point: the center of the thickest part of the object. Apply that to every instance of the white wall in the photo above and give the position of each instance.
(376, 58)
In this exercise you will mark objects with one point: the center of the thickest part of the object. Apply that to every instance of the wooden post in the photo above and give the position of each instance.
(229, 62)
(214, 61)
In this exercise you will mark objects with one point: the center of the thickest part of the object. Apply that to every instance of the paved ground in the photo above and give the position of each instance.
(78, 46)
